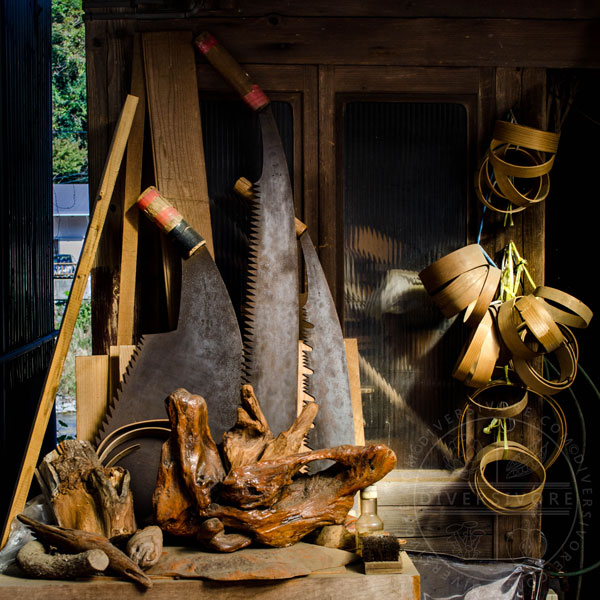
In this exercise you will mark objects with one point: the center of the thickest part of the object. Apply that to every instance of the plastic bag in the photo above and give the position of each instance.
(20, 534)
(446, 577)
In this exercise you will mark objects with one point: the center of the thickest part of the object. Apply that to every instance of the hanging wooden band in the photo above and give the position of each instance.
(524, 315)
(537, 319)
(567, 356)
(461, 292)
(528, 137)
(504, 176)
(479, 355)
(450, 266)
(511, 411)
(499, 391)
(561, 421)
(500, 501)
(478, 308)
(462, 279)
(564, 308)
(487, 191)
(496, 176)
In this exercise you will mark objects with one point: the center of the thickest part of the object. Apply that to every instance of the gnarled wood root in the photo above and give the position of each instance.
(262, 495)
(85, 495)
(310, 501)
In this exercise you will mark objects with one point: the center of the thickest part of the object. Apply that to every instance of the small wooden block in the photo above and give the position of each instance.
(91, 376)
(354, 377)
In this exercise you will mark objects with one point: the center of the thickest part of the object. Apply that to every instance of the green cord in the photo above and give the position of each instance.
(581, 571)
(575, 573)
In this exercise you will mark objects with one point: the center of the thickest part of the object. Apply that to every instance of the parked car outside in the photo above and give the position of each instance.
(64, 267)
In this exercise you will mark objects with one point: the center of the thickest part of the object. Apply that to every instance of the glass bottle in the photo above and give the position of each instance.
(369, 522)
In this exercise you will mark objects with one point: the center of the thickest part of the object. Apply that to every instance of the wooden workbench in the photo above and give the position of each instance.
(349, 584)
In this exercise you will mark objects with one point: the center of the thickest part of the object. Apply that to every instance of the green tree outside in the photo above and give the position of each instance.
(69, 110)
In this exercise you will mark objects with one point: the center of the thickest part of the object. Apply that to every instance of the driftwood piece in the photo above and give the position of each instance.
(34, 561)
(246, 441)
(145, 546)
(266, 499)
(254, 564)
(289, 442)
(192, 444)
(190, 466)
(76, 541)
(311, 501)
(85, 495)
(212, 535)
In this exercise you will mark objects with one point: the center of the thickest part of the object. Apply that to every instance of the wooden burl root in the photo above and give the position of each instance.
(85, 495)
(262, 495)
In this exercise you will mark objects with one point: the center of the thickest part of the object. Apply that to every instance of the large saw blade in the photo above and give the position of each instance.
(271, 328)
(203, 355)
(328, 383)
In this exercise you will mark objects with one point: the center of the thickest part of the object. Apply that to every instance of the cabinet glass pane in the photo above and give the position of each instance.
(405, 205)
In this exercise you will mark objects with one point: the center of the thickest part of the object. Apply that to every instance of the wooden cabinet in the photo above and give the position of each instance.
(323, 64)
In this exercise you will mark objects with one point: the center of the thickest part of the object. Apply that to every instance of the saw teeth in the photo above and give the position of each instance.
(115, 398)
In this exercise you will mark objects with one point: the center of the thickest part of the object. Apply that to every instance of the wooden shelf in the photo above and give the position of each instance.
(351, 584)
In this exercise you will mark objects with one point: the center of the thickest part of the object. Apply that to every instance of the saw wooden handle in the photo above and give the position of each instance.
(244, 189)
(231, 71)
(169, 220)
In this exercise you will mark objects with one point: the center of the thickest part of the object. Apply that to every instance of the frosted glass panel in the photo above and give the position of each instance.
(405, 190)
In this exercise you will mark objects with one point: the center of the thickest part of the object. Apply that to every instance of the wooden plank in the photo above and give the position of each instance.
(176, 128)
(114, 54)
(133, 182)
(465, 542)
(177, 147)
(97, 378)
(355, 586)
(511, 9)
(88, 254)
(425, 493)
(354, 377)
(542, 43)
(525, 95)
(425, 521)
(329, 221)
(91, 375)
(310, 151)
(125, 353)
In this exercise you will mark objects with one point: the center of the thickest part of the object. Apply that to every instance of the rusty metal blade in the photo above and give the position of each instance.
(328, 384)
(203, 354)
(271, 332)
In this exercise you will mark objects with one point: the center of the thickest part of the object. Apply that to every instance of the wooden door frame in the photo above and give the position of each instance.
(487, 94)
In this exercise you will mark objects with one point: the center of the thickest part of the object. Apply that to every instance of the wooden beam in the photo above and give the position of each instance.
(458, 42)
(133, 182)
(509, 9)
